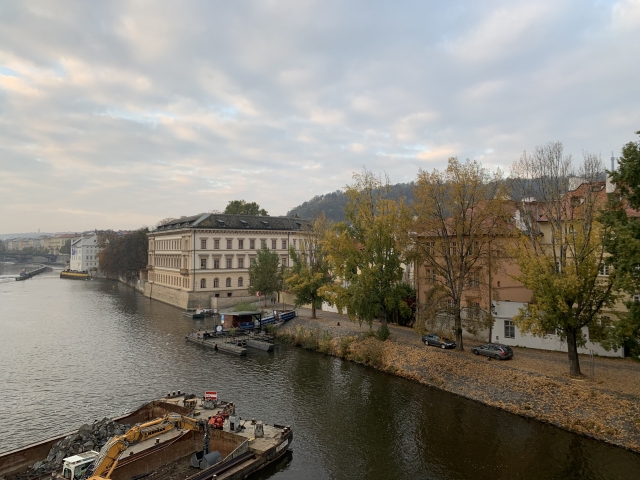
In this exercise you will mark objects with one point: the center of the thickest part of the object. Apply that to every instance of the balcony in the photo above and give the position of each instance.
(184, 271)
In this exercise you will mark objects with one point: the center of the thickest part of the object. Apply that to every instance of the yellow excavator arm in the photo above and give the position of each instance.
(107, 461)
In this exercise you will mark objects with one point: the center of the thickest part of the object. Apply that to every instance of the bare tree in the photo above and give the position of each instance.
(559, 248)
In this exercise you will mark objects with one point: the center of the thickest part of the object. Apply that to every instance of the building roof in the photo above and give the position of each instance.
(233, 222)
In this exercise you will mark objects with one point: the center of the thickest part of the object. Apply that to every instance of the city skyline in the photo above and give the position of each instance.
(116, 115)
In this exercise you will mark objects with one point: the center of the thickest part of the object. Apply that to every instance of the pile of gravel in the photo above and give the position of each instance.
(88, 437)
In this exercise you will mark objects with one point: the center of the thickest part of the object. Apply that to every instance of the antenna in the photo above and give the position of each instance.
(613, 167)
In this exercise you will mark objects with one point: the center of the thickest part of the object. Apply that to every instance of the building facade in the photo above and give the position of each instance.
(84, 254)
(199, 260)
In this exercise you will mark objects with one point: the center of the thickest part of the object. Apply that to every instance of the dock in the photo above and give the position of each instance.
(260, 342)
(209, 339)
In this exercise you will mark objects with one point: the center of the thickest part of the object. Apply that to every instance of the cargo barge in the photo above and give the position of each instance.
(178, 436)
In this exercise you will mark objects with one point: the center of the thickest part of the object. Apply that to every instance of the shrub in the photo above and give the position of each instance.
(324, 345)
(243, 307)
(383, 333)
(345, 344)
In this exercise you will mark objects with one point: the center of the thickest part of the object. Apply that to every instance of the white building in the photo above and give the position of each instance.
(84, 254)
(505, 332)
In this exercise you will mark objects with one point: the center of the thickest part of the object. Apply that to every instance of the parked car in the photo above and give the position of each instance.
(494, 350)
(438, 341)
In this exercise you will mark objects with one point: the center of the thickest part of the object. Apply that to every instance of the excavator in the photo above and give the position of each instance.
(107, 460)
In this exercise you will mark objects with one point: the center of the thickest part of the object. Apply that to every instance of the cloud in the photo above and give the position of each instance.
(115, 114)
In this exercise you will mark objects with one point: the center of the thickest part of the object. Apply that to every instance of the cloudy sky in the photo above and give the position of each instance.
(118, 114)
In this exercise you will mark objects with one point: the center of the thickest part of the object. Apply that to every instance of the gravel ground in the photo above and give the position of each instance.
(620, 375)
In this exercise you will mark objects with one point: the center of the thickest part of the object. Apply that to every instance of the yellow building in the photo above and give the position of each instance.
(203, 259)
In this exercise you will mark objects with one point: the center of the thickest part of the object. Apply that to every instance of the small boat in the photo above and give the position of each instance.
(194, 313)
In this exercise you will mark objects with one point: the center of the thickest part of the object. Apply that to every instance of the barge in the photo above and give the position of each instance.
(179, 436)
(74, 275)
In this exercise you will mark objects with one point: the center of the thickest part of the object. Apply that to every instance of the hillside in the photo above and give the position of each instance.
(332, 204)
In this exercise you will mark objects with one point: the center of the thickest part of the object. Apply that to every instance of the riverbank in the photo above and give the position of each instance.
(588, 408)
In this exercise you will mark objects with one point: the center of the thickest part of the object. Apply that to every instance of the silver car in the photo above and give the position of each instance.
(494, 350)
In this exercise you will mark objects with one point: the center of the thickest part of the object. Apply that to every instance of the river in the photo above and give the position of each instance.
(74, 351)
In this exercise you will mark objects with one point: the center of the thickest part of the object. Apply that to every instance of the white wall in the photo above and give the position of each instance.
(507, 310)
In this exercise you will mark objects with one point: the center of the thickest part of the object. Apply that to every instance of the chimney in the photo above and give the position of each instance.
(611, 187)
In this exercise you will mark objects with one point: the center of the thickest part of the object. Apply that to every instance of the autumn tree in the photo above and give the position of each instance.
(367, 252)
(623, 246)
(309, 270)
(123, 255)
(265, 273)
(240, 207)
(463, 214)
(559, 248)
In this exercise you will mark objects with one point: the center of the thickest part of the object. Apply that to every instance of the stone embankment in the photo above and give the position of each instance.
(589, 408)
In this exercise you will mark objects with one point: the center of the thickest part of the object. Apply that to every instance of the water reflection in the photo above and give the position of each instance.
(73, 351)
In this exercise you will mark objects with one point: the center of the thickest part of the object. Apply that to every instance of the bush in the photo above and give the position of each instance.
(270, 329)
(345, 344)
(383, 333)
(324, 345)
(243, 307)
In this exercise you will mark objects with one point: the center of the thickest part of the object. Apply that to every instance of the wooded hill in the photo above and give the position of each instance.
(332, 204)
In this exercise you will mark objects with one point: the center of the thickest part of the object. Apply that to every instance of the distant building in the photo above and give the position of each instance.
(202, 259)
(84, 254)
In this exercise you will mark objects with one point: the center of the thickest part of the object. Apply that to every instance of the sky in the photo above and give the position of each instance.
(120, 114)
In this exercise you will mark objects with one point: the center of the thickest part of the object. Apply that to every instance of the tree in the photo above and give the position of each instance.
(560, 247)
(309, 270)
(265, 275)
(623, 246)
(240, 207)
(367, 253)
(66, 248)
(123, 255)
(462, 217)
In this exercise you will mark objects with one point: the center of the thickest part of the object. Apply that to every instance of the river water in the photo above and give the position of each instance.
(74, 351)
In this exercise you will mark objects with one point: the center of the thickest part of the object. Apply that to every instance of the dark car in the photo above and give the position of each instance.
(494, 350)
(438, 341)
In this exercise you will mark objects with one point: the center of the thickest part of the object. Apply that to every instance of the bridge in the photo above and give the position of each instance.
(21, 257)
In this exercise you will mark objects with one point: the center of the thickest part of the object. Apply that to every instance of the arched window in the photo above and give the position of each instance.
(203, 283)
(216, 283)
(228, 282)
(240, 282)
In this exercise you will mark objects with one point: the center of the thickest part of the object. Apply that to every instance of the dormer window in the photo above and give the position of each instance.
(220, 222)
(266, 224)
(244, 223)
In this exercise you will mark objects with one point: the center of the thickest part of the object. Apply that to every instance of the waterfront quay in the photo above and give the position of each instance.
(74, 352)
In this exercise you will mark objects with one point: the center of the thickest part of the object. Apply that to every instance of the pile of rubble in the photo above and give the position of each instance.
(88, 437)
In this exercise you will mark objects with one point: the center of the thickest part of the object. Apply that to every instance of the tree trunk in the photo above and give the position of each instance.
(572, 347)
(313, 309)
(459, 345)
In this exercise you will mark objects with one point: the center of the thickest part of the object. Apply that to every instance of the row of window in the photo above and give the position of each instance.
(176, 281)
(229, 262)
(241, 245)
(216, 282)
(431, 276)
(172, 261)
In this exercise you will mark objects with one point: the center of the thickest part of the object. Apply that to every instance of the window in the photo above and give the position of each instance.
(273, 244)
(240, 244)
(252, 244)
(636, 298)
(294, 243)
(216, 244)
(284, 244)
(431, 275)
(498, 283)
(252, 261)
(203, 263)
(203, 244)
(241, 263)
(228, 282)
(217, 295)
(203, 283)
(229, 294)
(216, 283)
(284, 261)
(604, 270)
(216, 263)
(509, 329)
(240, 282)
(263, 243)
(228, 263)
(452, 248)
(430, 247)
(229, 244)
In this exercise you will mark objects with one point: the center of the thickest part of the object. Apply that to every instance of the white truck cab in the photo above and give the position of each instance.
(75, 466)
